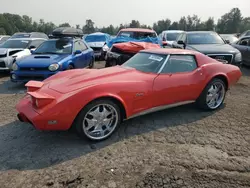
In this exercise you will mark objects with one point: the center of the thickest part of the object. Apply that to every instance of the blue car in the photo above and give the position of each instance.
(97, 41)
(51, 57)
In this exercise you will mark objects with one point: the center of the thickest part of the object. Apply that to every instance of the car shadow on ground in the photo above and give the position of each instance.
(8, 87)
(24, 148)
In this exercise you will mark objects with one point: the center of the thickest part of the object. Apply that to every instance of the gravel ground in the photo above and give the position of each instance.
(179, 147)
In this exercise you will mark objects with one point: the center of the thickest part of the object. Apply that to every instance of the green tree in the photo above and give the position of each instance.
(64, 25)
(162, 25)
(89, 27)
(134, 24)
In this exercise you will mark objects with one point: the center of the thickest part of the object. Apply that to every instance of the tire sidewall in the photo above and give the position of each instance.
(202, 99)
(78, 124)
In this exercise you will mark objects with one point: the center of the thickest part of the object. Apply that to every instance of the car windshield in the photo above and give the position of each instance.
(15, 44)
(95, 38)
(60, 46)
(204, 38)
(146, 62)
(137, 35)
(21, 35)
(231, 38)
(172, 36)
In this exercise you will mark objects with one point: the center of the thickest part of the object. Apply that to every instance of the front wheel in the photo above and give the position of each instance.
(98, 120)
(213, 95)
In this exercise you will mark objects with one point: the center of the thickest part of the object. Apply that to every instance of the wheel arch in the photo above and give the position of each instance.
(115, 99)
(223, 78)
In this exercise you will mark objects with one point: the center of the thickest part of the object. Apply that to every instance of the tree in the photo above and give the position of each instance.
(134, 24)
(64, 25)
(162, 25)
(89, 27)
(230, 22)
(183, 23)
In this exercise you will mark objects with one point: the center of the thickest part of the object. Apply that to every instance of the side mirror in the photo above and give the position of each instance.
(180, 42)
(227, 41)
(77, 52)
(32, 51)
(31, 47)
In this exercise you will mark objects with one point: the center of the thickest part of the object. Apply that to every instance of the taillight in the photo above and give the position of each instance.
(39, 103)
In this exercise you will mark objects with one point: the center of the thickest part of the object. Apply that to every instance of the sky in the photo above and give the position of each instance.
(106, 12)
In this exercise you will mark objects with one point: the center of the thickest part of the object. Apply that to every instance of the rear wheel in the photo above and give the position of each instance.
(91, 64)
(98, 120)
(70, 67)
(213, 95)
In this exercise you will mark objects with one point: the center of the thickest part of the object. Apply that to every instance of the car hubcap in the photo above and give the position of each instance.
(100, 121)
(215, 95)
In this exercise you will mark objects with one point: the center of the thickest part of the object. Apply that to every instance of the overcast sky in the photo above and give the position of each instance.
(106, 12)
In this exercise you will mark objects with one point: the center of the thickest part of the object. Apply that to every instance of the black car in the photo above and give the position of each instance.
(243, 45)
(210, 44)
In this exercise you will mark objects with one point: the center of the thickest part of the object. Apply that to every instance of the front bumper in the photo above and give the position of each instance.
(25, 76)
(6, 63)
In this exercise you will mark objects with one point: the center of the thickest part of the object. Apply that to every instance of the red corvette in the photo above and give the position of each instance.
(95, 101)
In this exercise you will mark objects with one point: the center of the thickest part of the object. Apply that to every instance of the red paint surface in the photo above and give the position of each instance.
(63, 95)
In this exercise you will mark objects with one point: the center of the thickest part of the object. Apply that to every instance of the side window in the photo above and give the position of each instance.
(244, 42)
(5, 38)
(180, 64)
(77, 46)
(82, 45)
(36, 43)
(180, 37)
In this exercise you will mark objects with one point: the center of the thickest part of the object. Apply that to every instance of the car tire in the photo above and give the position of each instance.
(110, 63)
(91, 64)
(70, 66)
(213, 95)
(102, 127)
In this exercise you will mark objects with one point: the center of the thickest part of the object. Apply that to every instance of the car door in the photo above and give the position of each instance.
(86, 53)
(179, 81)
(243, 46)
(78, 58)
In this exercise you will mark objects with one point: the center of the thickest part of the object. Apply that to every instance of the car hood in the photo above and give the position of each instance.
(71, 80)
(96, 44)
(40, 60)
(213, 48)
(5, 50)
(135, 47)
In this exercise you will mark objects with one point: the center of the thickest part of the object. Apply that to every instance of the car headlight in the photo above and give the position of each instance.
(105, 48)
(14, 67)
(54, 67)
(238, 57)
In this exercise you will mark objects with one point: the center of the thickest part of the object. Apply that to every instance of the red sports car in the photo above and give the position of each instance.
(95, 102)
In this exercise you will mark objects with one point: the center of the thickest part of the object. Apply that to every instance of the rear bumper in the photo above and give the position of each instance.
(25, 76)
(50, 119)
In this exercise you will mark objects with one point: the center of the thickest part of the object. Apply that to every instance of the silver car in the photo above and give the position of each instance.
(14, 49)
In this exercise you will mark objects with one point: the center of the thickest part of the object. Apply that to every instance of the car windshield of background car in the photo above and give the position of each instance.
(231, 38)
(95, 38)
(172, 36)
(137, 35)
(59, 46)
(16, 44)
(21, 36)
(146, 62)
(204, 38)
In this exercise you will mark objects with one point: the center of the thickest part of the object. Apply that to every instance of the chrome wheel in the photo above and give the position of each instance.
(215, 95)
(100, 121)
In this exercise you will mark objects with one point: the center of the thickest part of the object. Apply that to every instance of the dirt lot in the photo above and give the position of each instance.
(180, 147)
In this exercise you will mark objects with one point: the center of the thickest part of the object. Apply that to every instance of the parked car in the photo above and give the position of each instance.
(245, 33)
(229, 38)
(121, 52)
(15, 49)
(210, 44)
(243, 45)
(116, 57)
(3, 38)
(65, 51)
(169, 36)
(95, 102)
(29, 35)
(96, 41)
